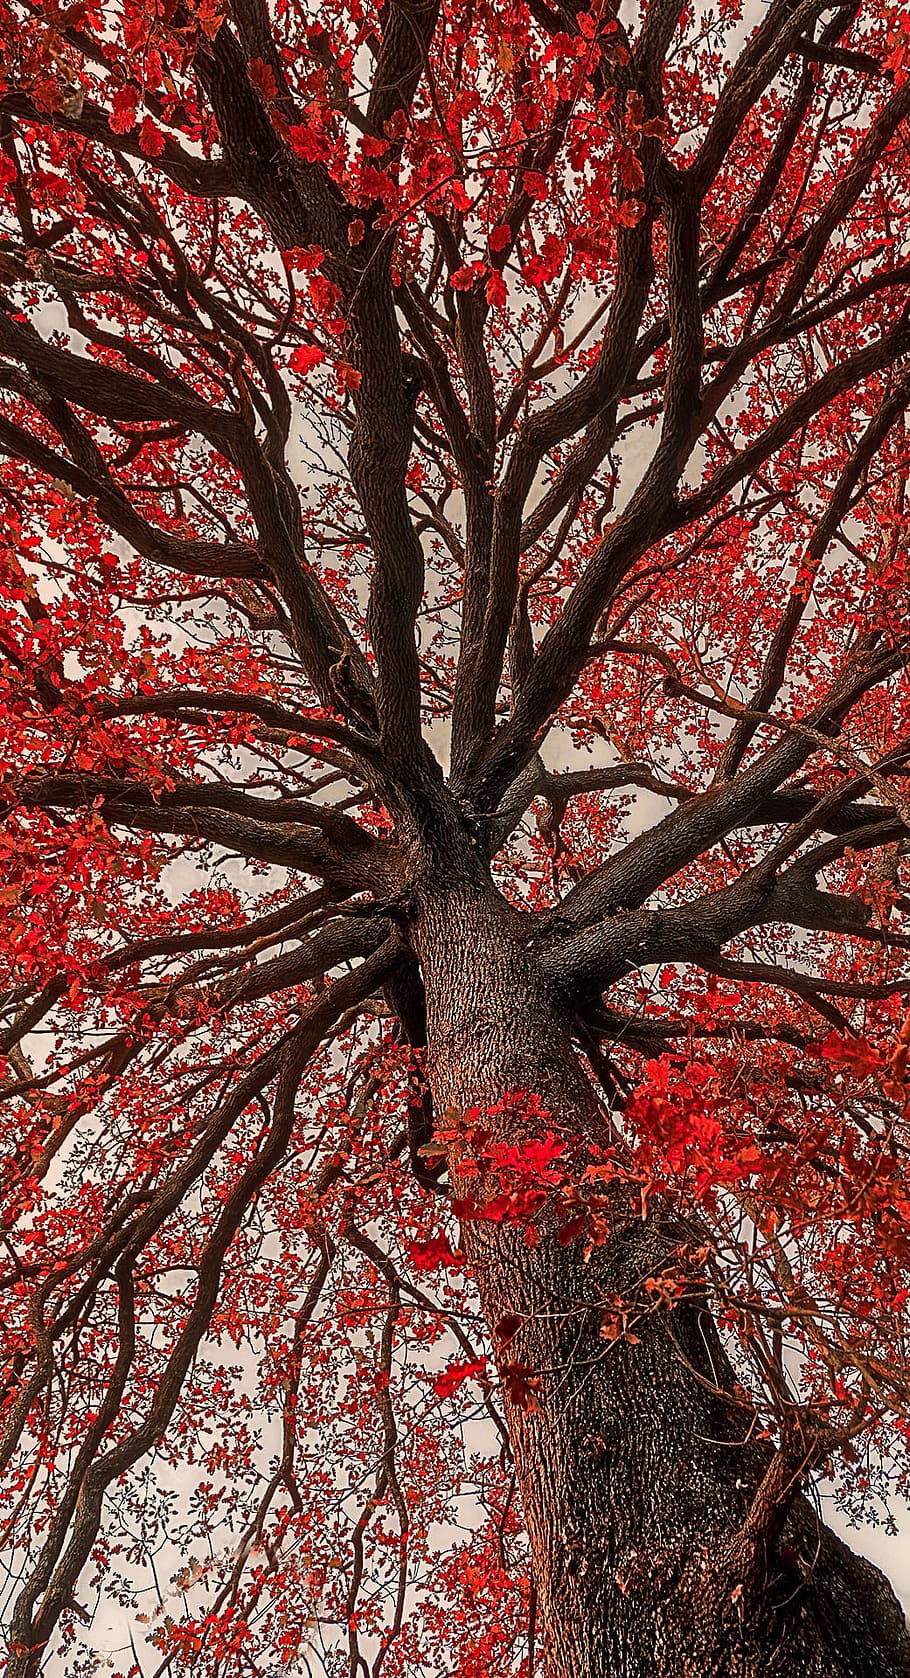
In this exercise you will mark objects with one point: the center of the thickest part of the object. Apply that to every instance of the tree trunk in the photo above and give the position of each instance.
(662, 1543)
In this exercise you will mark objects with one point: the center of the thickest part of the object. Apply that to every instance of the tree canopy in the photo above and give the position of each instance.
(446, 453)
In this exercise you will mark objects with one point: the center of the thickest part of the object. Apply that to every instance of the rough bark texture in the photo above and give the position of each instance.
(662, 1541)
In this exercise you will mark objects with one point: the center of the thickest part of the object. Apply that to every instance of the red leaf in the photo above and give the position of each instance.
(855, 1054)
(464, 278)
(629, 213)
(535, 185)
(459, 197)
(495, 289)
(306, 257)
(448, 1382)
(306, 357)
(348, 377)
(435, 1254)
(543, 267)
(126, 108)
(306, 142)
(151, 139)
(629, 170)
(262, 77)
(520, 1384)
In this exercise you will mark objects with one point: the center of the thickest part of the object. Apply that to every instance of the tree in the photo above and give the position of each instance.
(455, 727)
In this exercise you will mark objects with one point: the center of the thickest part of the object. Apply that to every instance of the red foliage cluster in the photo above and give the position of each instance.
(486, 422)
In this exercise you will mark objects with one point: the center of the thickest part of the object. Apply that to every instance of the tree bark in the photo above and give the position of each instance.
(664, 1544)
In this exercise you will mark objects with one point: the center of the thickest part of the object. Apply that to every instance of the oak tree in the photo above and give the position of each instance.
(455, 746)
